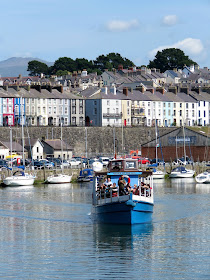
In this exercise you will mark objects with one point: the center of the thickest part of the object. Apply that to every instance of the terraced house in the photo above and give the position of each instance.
(40, 106)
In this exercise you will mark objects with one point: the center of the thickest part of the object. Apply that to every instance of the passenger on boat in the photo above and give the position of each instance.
(127, 188)
(108, 182)
(121, 184)
(135, 189)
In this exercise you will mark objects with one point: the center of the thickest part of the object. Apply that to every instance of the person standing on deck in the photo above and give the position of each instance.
(121, 184)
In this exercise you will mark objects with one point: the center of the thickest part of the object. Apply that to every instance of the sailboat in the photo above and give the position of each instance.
(59, 178)
(157, 174)
(19, 178)
(181, 171)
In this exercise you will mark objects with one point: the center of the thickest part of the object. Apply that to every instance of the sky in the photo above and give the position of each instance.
(50, 29)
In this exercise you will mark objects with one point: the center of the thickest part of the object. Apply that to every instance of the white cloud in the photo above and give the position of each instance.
(170, 20)
(189, 45)
(120, 25)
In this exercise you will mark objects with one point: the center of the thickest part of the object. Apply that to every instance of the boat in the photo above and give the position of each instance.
(158, 174)
(181, 172)
(85, 175)
(123, 208)
(203, 178)
(18, 178)
(59, 178)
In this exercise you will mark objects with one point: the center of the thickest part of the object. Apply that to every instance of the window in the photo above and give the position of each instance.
(117, 110)
(50, 101)
(32, 100)
(81, 103)
(174, 112)
(44, 110)
(204, 114)
(117, 103)
(174, 105)
(66, 121)
(186, 105)
(193, 113)
(54, 121)
(54, 101)
(95, 102)
(74, 110)
(39, 111)
(164, 104)
(159, 104)
(95, 111)
(148, 112)
(169, 112)
(107, 102)
(164, 112)
(128, 112)
(199, 113)
(16, 109)
(66, 102)
(180, 113)
(50, 110)
(10, 120)
(10, 109)
(193, 106)
(32, 121)
(73, 102)
(27, 109)
(81, 110)
(65, 110)
(108, 110)
(74, 121)
(60, 110)
(37, 149)
(169, 105)
(204, 103)
(187, 114)
(44, 121)
(43, 101)
(180, 105)
(81, 121)
(54, 110)
(128, 103)
(61, 101)
(38, 101)
(148, 104)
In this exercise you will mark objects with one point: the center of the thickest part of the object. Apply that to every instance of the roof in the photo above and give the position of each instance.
(56, 144)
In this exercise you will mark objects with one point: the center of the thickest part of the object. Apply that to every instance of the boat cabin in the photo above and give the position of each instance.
(123, 165)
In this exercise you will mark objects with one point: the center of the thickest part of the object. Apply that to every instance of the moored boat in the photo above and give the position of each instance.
(23, 179)
(59, 179)
(85, 175)
(203, 178)
(116, 207)
(181, 172)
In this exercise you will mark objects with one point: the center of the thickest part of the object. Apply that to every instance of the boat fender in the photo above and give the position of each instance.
(130, 203)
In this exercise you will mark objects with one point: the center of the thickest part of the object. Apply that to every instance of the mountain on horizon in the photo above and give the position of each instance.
(14, 66)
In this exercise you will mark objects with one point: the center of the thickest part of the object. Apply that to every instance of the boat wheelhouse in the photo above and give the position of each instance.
(131, 207)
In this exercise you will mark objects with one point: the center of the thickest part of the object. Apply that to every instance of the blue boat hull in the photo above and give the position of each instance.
(121, 213)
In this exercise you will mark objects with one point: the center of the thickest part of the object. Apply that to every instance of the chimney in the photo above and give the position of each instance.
(125, 91)
(198, 90)
(173, 89)
(185, 90)
(140, 88)
(160, 89)
(37, 87)
(5, 88)
(120, 67)
(59, 88)
(151, 90)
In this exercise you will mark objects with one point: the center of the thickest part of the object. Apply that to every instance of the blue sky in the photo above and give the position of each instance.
(49, 29)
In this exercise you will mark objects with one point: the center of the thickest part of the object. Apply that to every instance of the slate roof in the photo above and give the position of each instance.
(56, 144)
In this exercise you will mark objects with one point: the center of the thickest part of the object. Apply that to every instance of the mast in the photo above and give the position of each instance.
(11, 146)
(22, 129)
(61, 147)
(156, 141)
(184, 143)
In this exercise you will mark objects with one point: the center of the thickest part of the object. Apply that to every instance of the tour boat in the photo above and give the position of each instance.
(123, 208)
(181, 172)
(203, 177)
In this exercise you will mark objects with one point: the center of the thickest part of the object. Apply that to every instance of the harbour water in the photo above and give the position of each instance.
(46, 232)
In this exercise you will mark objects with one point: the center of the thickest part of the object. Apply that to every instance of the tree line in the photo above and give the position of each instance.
(168, 59)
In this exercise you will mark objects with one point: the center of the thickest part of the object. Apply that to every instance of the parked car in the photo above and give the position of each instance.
(65, 164)
(47, 163)
(73, 162)
(38, 165)
(3, 163)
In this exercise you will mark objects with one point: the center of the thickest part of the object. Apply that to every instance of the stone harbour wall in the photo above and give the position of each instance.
(100, 140)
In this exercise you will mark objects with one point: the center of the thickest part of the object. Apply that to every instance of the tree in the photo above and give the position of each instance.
(168, 59)
(110, 61)
(36, 68)
(64, 63)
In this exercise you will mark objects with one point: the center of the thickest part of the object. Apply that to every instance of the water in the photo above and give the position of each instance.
(46, 232)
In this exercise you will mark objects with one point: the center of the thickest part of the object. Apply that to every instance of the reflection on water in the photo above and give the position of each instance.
(46, 233)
